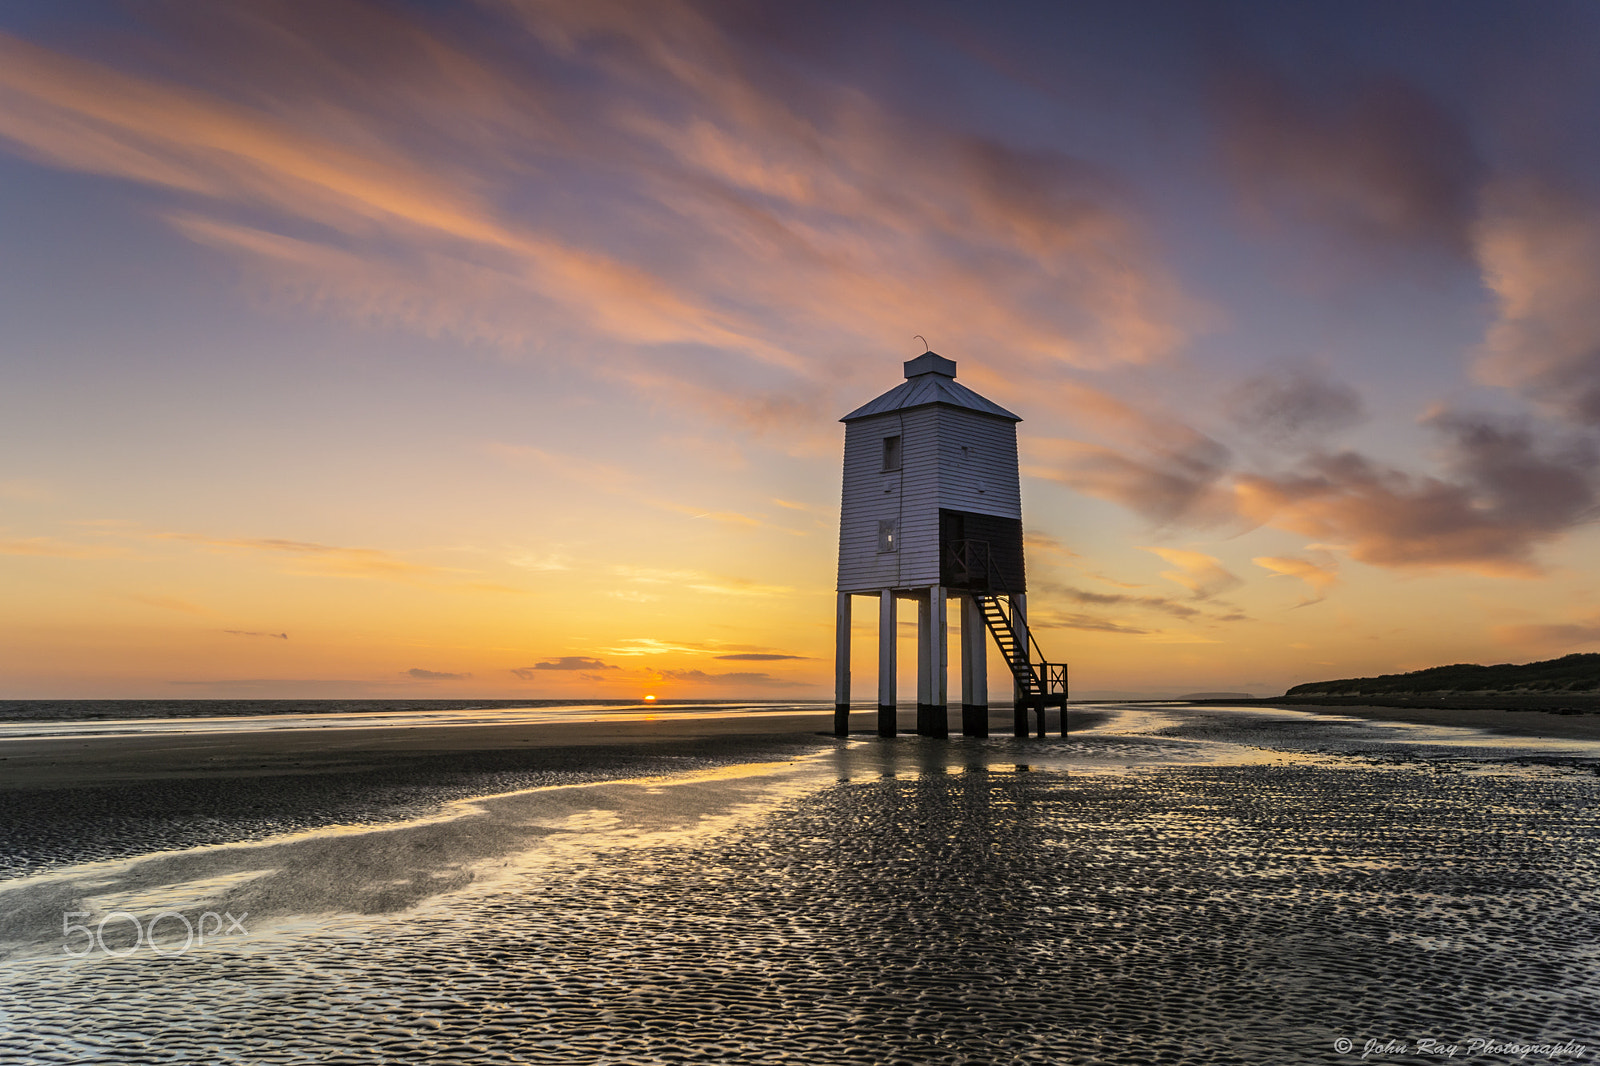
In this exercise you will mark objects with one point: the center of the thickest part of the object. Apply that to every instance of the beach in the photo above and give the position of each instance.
(1576, 717)
(1169, 884)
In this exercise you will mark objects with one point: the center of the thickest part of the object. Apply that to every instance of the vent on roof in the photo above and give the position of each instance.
(930, 363)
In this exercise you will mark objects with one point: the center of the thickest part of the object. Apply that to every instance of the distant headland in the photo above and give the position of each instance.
(1571, 674)
(1498, 698)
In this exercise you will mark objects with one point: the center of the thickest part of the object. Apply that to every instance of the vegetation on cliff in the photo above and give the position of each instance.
(1571, 673)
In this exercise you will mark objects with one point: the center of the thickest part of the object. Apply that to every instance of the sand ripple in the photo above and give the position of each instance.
(1233, 914)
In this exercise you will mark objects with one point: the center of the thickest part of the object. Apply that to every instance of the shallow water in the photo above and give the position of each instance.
(131, 718)
(1201, 886)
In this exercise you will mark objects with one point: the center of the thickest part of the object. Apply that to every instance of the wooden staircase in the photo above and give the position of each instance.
(1037, 683)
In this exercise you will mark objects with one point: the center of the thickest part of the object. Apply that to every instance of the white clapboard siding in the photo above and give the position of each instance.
(983, 479)
(934, 473)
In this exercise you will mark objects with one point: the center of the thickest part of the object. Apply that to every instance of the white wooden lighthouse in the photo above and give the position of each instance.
(932, 511)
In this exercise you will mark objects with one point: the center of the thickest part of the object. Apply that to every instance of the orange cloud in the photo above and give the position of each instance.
(1202, 574)
(1319, 578)
(1508, 495)
(746, 221)
(1539, 249)
(702, 677)
(1152, 462)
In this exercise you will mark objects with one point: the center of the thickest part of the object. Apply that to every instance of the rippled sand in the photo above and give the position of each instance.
(1187, 887)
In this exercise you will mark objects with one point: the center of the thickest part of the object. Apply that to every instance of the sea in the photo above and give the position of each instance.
(105, 710)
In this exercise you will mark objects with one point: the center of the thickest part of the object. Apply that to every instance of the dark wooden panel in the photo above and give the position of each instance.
(992, 561)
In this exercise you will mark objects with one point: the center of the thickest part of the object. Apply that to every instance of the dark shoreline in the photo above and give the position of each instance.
(1552, 703)
(1565, 717)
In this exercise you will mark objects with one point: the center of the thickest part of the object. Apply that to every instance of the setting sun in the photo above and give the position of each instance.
(648, 699)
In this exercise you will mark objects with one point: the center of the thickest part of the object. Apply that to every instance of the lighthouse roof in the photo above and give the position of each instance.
(930, 378)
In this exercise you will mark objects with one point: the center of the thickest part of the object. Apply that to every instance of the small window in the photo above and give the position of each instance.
(891, 453)
(889, 531)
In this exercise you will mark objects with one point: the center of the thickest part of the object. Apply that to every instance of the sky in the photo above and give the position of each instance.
(496, 349)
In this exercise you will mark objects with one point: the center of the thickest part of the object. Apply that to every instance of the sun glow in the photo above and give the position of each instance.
(649, 699)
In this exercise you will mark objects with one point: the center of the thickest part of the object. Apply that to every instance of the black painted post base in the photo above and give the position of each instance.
(841, 719)
(887, 725)
(1042, 732)
(932, 720)
(974, 720)
(1019, 720)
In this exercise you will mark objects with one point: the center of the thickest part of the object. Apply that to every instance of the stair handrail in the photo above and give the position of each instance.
(962, 550)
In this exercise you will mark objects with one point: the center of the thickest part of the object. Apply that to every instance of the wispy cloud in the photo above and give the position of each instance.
(1539, 249)
(254, 633)
(418, 674)
(1071, 620)
(1149, 461)
(1202, 574)
(721, 649)
(759, 657)
(375, 160)
(733, 678)
(1501, 487)
(1293, 406)
(1119, 599)
(1509, 493)
(560, 663)
(1319, 578)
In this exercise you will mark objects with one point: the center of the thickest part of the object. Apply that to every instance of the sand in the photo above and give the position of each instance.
(69, 762)
(1544, 719)
(1199, 885)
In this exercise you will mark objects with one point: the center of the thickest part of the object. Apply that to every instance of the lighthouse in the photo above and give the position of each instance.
(931, 513)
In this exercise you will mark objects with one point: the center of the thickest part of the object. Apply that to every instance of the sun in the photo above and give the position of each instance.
(647, 699)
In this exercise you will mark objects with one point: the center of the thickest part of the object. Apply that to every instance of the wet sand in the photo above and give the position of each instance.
(1172, 885)
(1538, 717)
(77, 761)
(113, 794)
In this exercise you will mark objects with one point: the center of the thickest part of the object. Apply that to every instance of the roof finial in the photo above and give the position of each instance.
(924, 341)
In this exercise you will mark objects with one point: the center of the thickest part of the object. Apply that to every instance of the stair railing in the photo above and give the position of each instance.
(974, 559)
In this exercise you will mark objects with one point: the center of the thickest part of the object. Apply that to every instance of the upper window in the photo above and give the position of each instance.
(891, 453)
